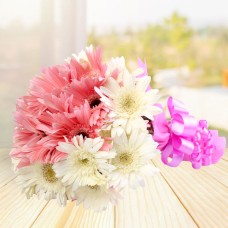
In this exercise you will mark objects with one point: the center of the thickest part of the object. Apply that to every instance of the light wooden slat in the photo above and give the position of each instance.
(6, 172)
(88, 218)
(155, 205)
(53, 215)
(202, 195)
(74, 216)
(6, 168)
(219, 171)
(15, 209)
(225, 156)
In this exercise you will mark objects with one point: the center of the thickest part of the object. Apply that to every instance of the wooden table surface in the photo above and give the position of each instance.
(180, 197)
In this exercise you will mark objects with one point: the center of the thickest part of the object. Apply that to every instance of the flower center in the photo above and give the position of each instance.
(78, 131)
(128, 104)
(41, 134)
(125, 158)
(94, 101)
(49, 173)
(84, 159)
(84, 134)
(94, 187)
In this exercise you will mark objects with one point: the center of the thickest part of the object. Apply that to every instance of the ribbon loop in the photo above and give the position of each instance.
(176, 106)
(183, 124)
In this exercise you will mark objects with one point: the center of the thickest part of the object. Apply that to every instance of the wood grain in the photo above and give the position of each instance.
(218, 171)
(53, 216)
(204, 197)
(80, 217)
(15, 209)
(74, 216)
(225, 156)
(6, 172)
(155, 205)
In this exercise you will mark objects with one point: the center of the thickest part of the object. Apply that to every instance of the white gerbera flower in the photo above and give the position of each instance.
(133, 159)
(128, 102)
(85, 164)
(97, 197)
(116, 64)
(40, 179)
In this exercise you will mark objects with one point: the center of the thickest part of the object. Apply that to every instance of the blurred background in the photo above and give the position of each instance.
(185, 45)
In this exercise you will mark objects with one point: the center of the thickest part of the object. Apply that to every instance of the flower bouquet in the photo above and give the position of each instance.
(86, 130)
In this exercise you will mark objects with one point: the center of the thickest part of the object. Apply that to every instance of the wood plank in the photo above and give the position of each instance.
(6, 172)
(225, 156)
(6, 167)
(16, 210)
(202, 195)
(218, 171)
(88, 218)
(73, 216)
(155, 205)
(53, 215)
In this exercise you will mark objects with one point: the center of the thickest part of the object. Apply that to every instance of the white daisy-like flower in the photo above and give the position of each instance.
(97, 197)
(116, 64)
(128, 102)
(40, 179)
(133, 159)
(85, 163)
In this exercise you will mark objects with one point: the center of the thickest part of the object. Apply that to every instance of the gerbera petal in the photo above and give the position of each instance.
(128, 79)
(112, 85)
(65, 147)
(143, 83)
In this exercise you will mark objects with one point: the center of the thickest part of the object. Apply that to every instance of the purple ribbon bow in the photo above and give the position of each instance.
(184, 138)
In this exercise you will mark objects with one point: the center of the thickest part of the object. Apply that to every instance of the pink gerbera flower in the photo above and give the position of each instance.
(61, 104)
(31, 141)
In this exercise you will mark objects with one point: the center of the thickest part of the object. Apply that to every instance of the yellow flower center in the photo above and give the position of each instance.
(49, 173)
(84, 159)
(125, 158)
(94, 187)
(128, 102)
